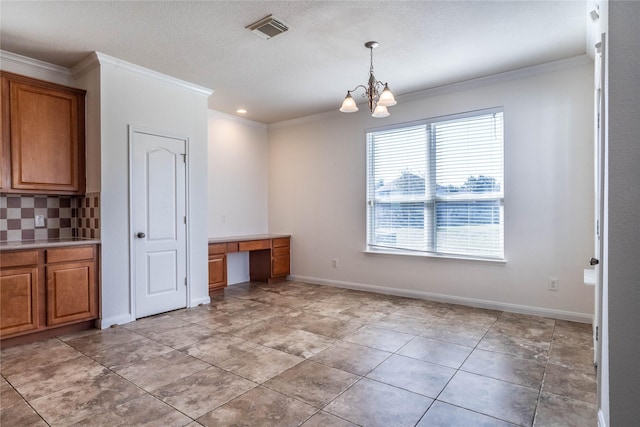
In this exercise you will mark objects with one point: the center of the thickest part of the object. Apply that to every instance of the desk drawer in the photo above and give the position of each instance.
(18, 258)
(282, 242)
(217, 248)
(254, 245)
(280, 251)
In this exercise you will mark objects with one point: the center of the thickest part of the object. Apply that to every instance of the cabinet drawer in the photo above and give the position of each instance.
(69, 254)
(254, 245)
(217, 248)
(280, 251)
(277, 243)
(18, 259)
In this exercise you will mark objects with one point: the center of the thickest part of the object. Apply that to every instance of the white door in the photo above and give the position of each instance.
(600, 158)
(158, 222)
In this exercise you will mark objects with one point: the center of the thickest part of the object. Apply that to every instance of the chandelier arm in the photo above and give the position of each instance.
(357, 87)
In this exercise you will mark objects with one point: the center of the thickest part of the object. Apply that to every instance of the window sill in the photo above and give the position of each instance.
(399, 252)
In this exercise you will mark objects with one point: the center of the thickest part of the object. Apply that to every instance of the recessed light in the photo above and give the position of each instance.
(241, 111)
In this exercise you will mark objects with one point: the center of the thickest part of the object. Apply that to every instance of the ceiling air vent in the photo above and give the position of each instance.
(268, 27)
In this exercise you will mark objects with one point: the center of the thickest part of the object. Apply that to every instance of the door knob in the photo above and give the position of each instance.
(141, 235)
(594, 261)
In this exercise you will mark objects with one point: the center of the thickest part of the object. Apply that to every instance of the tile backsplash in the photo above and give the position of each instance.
(63, 216)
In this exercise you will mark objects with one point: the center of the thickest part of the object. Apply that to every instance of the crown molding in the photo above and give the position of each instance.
(20, 64)
(548, 67)
(101, 59)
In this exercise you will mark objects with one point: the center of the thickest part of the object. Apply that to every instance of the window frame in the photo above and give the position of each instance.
(431, 199)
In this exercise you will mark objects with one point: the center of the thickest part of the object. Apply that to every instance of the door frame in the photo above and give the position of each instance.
(132, 255)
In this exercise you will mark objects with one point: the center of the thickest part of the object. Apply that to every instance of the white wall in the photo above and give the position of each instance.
(237, 177)
(317, 193)
(134, 96)
(620, 393)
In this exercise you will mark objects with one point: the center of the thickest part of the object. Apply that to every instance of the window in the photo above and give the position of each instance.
(437, 186)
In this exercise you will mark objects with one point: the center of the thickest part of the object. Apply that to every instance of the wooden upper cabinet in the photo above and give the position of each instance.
(46, 133)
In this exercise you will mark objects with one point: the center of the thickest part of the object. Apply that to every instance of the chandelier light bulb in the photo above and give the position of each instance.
(349, 105)
(386, 97)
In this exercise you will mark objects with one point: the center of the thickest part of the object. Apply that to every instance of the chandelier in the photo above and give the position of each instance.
(378, 101)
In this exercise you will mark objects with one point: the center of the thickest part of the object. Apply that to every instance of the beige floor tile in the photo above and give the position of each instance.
(444, 415)
(312, 383)
(123, 355)
(499, 399)
(525, 326)
(260, 363)
(382, 339)
(332, 328)
(434, 351)
(456, 331)
(370, 403)
(8, 395)
(259, 407)
(325, 419)
(413, 375)
(143, 411)
(572, 356)
(526, 372)
(570, 382)
(34, 356)
(20, 414)
(72, 404)
(203, 391)
(515, 346)
(350, 357)
(153, 373)
(298, 342)
(95, 344)
(560, 411)
(218, 348)
(155, 324)
(46, 380)
(182, 336)
(405, 324)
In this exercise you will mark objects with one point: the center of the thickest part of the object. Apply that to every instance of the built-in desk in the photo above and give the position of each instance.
(269, 257)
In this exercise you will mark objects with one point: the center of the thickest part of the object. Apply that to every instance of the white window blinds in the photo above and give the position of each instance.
(437, 186)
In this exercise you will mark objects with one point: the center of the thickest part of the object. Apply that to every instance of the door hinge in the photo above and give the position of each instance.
(185, 219)
(597, 331)
(185, 281)
(184, 158)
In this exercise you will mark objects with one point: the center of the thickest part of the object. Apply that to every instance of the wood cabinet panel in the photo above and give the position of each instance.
(43, 136)
(217, 248)
(280, 251)
(217, 271)
(5, 159)
(18, 300)
(280, 266)
(71, 292)
(280, 242)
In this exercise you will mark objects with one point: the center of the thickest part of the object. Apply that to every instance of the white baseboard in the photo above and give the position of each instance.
(116, 320)
(197, 301)
(601, 421)
(473, 302)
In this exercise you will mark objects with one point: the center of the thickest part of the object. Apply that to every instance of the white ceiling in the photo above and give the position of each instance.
(423, 44)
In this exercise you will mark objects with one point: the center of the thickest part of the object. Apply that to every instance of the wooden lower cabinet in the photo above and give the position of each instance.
(43, 289)
(71, 292)
(18, 300)
(217, 271)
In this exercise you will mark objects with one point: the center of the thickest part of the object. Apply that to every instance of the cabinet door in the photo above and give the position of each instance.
(217, 271)
(47, 139)
(18, 300)
(280, 266)
(71, 292)
(5, 160)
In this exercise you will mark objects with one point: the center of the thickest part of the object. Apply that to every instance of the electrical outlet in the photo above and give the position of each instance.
(334, 263)
(39, 221)
(553, 284)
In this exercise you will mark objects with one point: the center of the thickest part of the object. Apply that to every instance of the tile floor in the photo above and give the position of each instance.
(294, 354)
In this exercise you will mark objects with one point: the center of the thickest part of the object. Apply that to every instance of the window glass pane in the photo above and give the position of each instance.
(437, 186)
